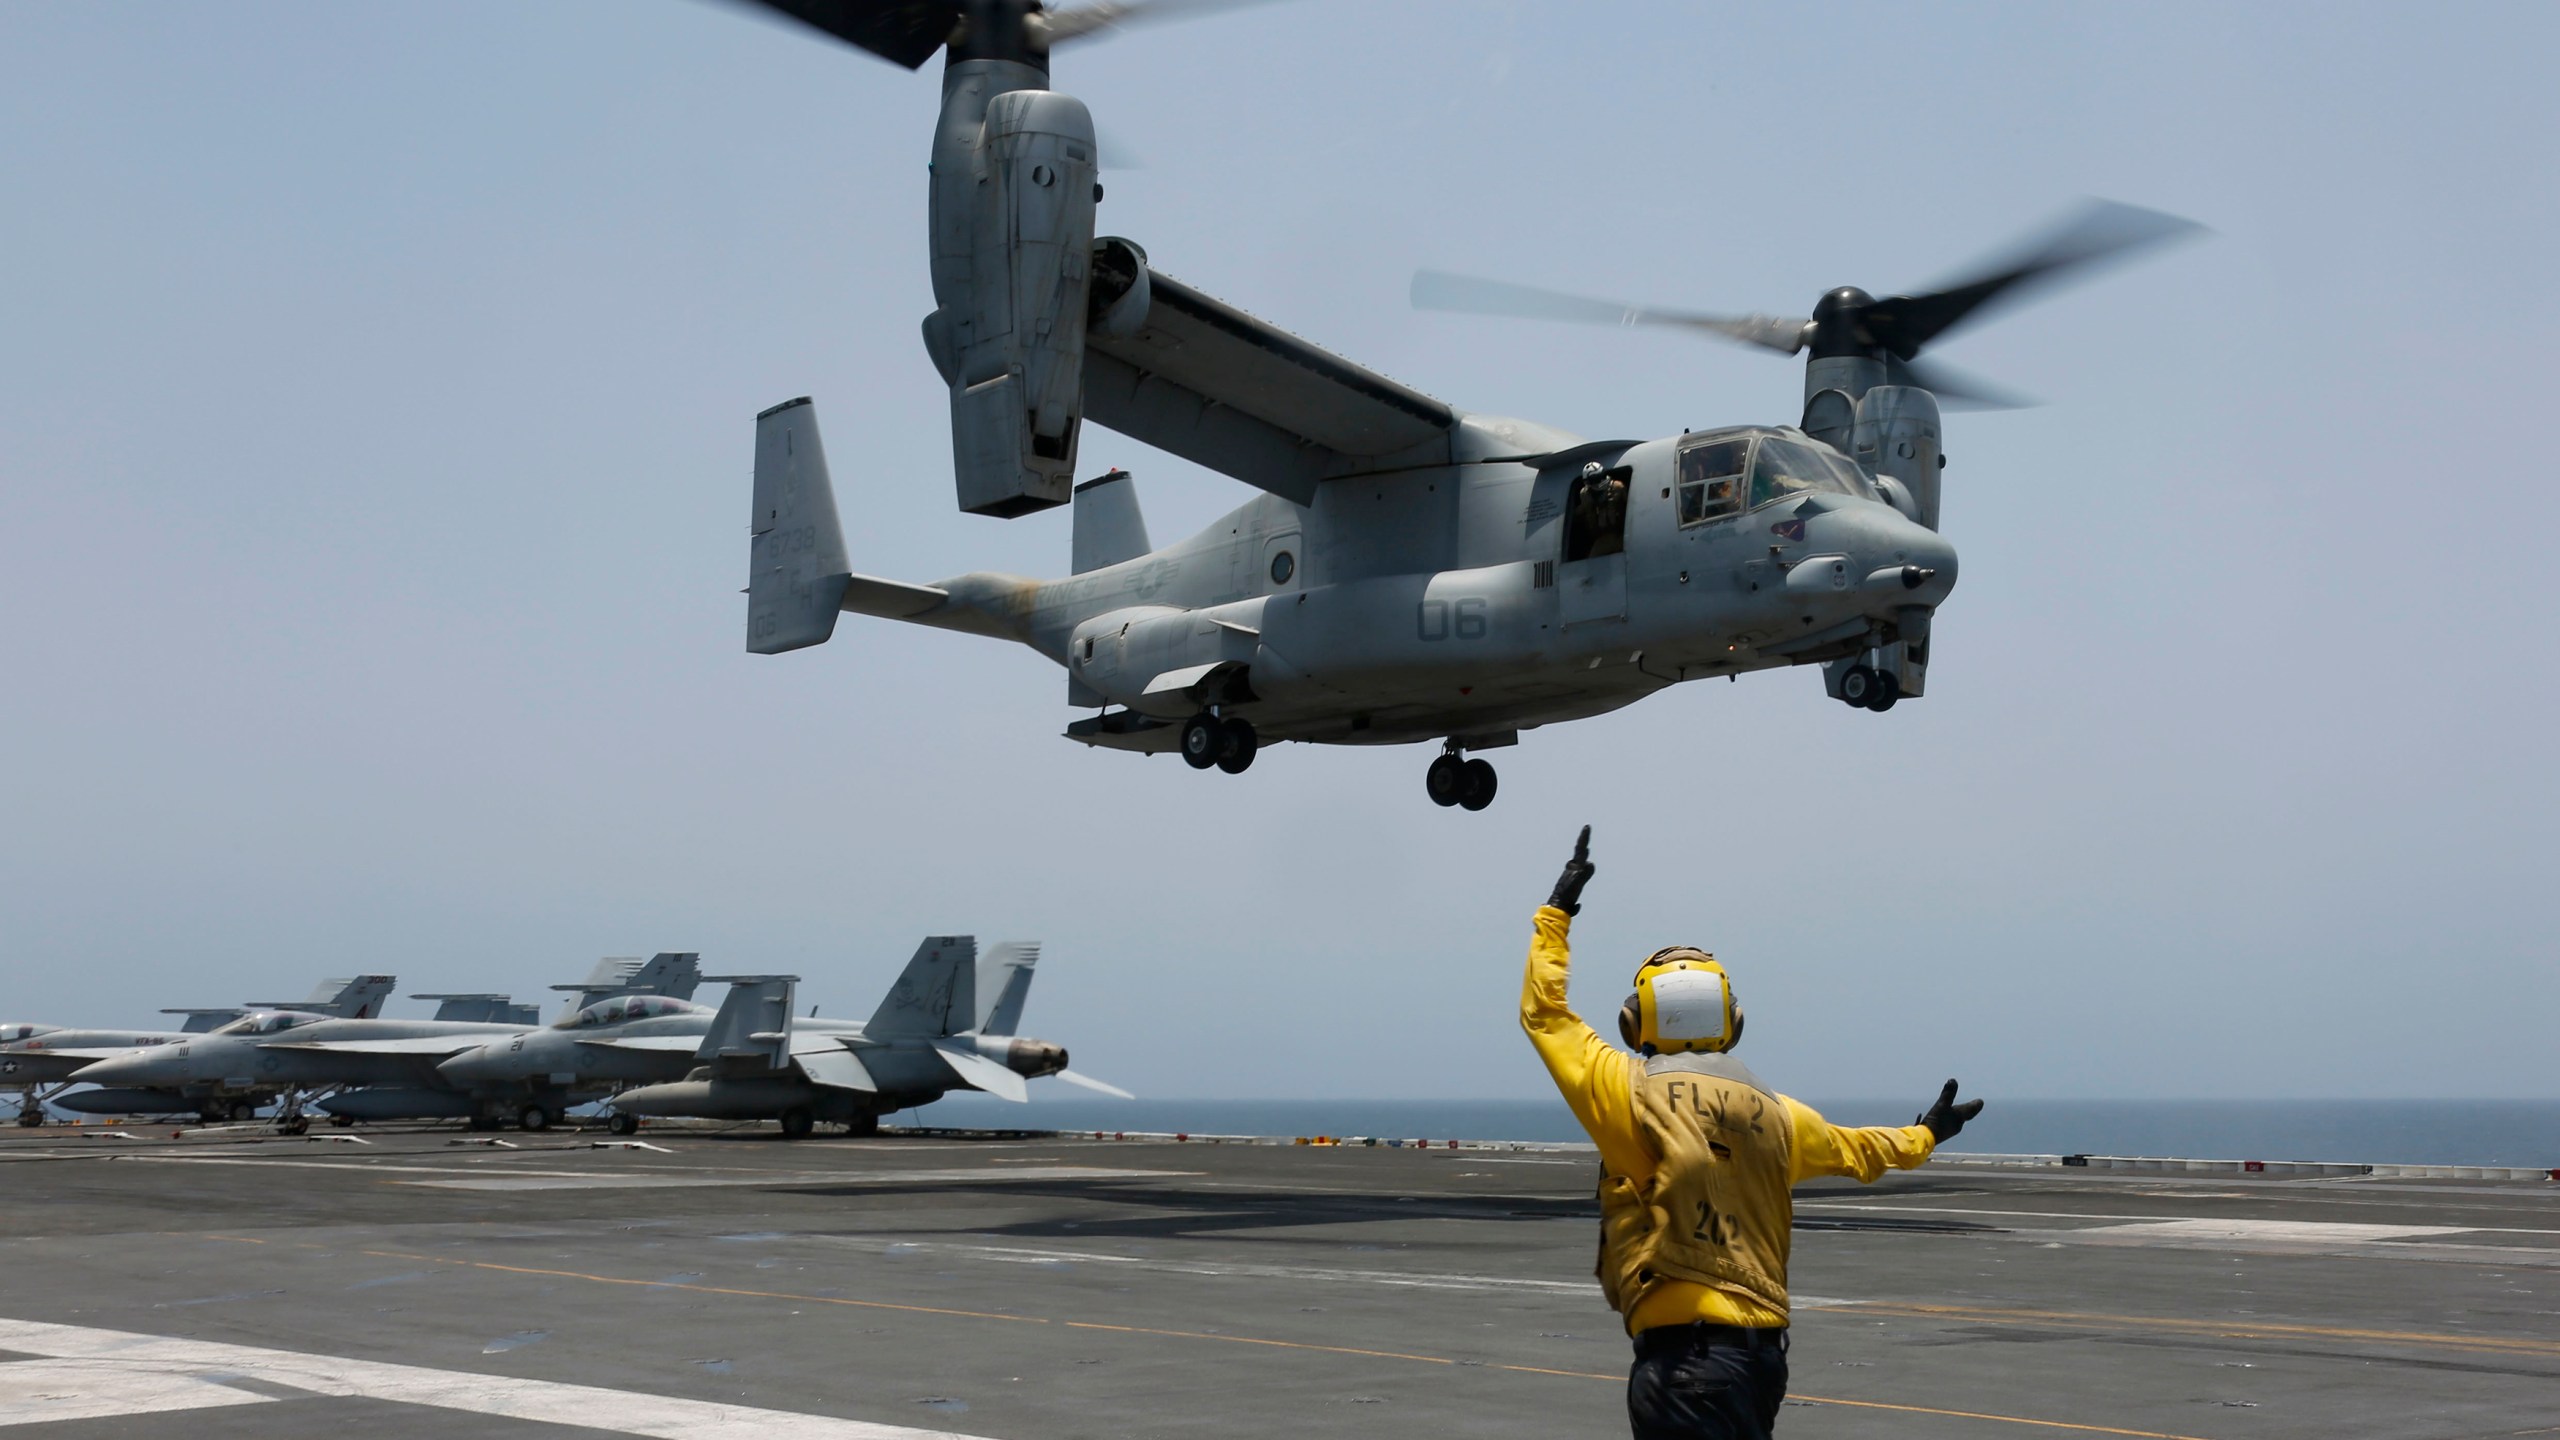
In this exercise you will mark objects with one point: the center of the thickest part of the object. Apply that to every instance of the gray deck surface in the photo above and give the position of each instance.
(413, 1287)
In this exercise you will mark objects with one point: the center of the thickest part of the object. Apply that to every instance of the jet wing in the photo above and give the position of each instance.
(684, 1043)
(982, 1072)
(408, 1045)
(1246, 398)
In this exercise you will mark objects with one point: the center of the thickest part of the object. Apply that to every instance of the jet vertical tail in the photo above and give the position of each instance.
(359, 998)
(753, 1028)
(675, 974)
(937, 994)
(796, 570)
(1004, 985)
(1108, 525)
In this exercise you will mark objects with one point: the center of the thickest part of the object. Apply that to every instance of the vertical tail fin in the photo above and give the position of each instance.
(937, 994)
(1108, 525)
(359, 998)
(796, 570)
(1004, 985)
(753, 1028)
(672, 973)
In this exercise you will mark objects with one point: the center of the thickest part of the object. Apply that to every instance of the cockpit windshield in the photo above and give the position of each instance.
(12, 1034)
(623, 1010)
(1780, 468)
(269, 1022)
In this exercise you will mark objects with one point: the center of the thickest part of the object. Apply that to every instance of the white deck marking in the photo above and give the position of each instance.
(121, 1373)
(2317, 1232)
(791, 1177)
(46, 1392)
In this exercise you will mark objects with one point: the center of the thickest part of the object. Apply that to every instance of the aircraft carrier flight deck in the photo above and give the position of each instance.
(426, 1283)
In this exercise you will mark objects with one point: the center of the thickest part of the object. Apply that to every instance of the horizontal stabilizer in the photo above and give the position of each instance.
(982, 1073)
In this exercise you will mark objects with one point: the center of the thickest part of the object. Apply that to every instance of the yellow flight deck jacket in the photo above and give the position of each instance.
(1600, 1081)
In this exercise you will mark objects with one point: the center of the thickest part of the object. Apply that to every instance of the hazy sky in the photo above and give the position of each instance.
(376, 400)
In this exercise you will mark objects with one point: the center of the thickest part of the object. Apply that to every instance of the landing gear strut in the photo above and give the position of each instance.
(1455, 780)
(1228, 743)
(1870, 689)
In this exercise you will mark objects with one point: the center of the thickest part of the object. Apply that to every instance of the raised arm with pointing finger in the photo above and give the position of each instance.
(1697, 1160)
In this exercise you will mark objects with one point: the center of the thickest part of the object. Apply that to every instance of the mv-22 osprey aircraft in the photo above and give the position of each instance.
(1413, 572)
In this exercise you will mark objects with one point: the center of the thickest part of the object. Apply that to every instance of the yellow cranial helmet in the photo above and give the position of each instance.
(1683, 1002)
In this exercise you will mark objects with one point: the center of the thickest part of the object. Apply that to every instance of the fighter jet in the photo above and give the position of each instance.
(758, 1063)
(33, 1057)
(294, 1051)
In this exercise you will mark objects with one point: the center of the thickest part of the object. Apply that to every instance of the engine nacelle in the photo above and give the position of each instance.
(1009, 336)
(1896, 436)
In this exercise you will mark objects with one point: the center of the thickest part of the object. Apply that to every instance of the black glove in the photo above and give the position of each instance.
(1946, 1118)
(1577, 873)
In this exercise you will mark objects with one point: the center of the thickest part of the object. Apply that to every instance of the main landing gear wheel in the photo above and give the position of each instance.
(797, 1122)
(1454, 779)
(31, 1115)
(534, 1117)
(240, 1112)
(862, 1125)
(1235, 755)
(622, 1124)
(1203, 741)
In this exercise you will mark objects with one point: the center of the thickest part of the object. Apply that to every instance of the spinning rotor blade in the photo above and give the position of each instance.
(1438, 290)
(2099, 231)
(1060, 25)
(1955, 389)
(905, 32)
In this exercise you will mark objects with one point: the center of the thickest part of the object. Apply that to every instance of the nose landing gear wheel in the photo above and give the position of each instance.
(1235, 754)
(1203, 741)
(622, 1124)
(797, 1122)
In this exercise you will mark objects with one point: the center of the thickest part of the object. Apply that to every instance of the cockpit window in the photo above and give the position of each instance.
(269, 1022)
(1711, 479)
(12, 1034)
(1786, 467)
(623, 1009)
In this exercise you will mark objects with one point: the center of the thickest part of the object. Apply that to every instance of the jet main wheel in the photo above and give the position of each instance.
(534, 1117)
(862, 1125)
(622, 1124)
(1446, 780)
(797, 1122)
(1476, 784)
(1203, 741)
(30, 1116)
(1239, 742)
(241, 1112)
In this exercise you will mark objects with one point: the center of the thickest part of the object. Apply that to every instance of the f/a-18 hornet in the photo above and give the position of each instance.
(33, 1057)
(1413, 572)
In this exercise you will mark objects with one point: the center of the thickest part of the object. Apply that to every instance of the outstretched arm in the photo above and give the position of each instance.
(1823, 1148)
(1590, 1072)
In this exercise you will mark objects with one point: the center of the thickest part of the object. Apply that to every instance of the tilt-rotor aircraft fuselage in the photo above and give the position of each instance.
(1413, 572)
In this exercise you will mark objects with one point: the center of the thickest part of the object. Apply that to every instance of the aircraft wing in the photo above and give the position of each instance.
(684, 1043)
(982, 1072)
(836, 1068)
(407, 1045)
(1246, 398)
(90, 1054)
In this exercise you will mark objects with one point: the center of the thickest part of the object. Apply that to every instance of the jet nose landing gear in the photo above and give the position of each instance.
(1455, 780)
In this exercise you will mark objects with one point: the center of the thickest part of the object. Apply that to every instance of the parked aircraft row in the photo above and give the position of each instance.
(630, 1035)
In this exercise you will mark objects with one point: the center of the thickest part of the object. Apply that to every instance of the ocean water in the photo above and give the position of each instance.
(2406, 1132)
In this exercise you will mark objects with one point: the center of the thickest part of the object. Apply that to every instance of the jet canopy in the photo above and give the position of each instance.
(624, 1009)
(12, 1034)
(271, 1022)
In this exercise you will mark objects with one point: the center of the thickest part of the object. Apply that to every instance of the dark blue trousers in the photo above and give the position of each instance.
(1706, 1382)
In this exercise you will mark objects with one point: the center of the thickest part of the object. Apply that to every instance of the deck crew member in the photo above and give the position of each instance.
(1697, 1159)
